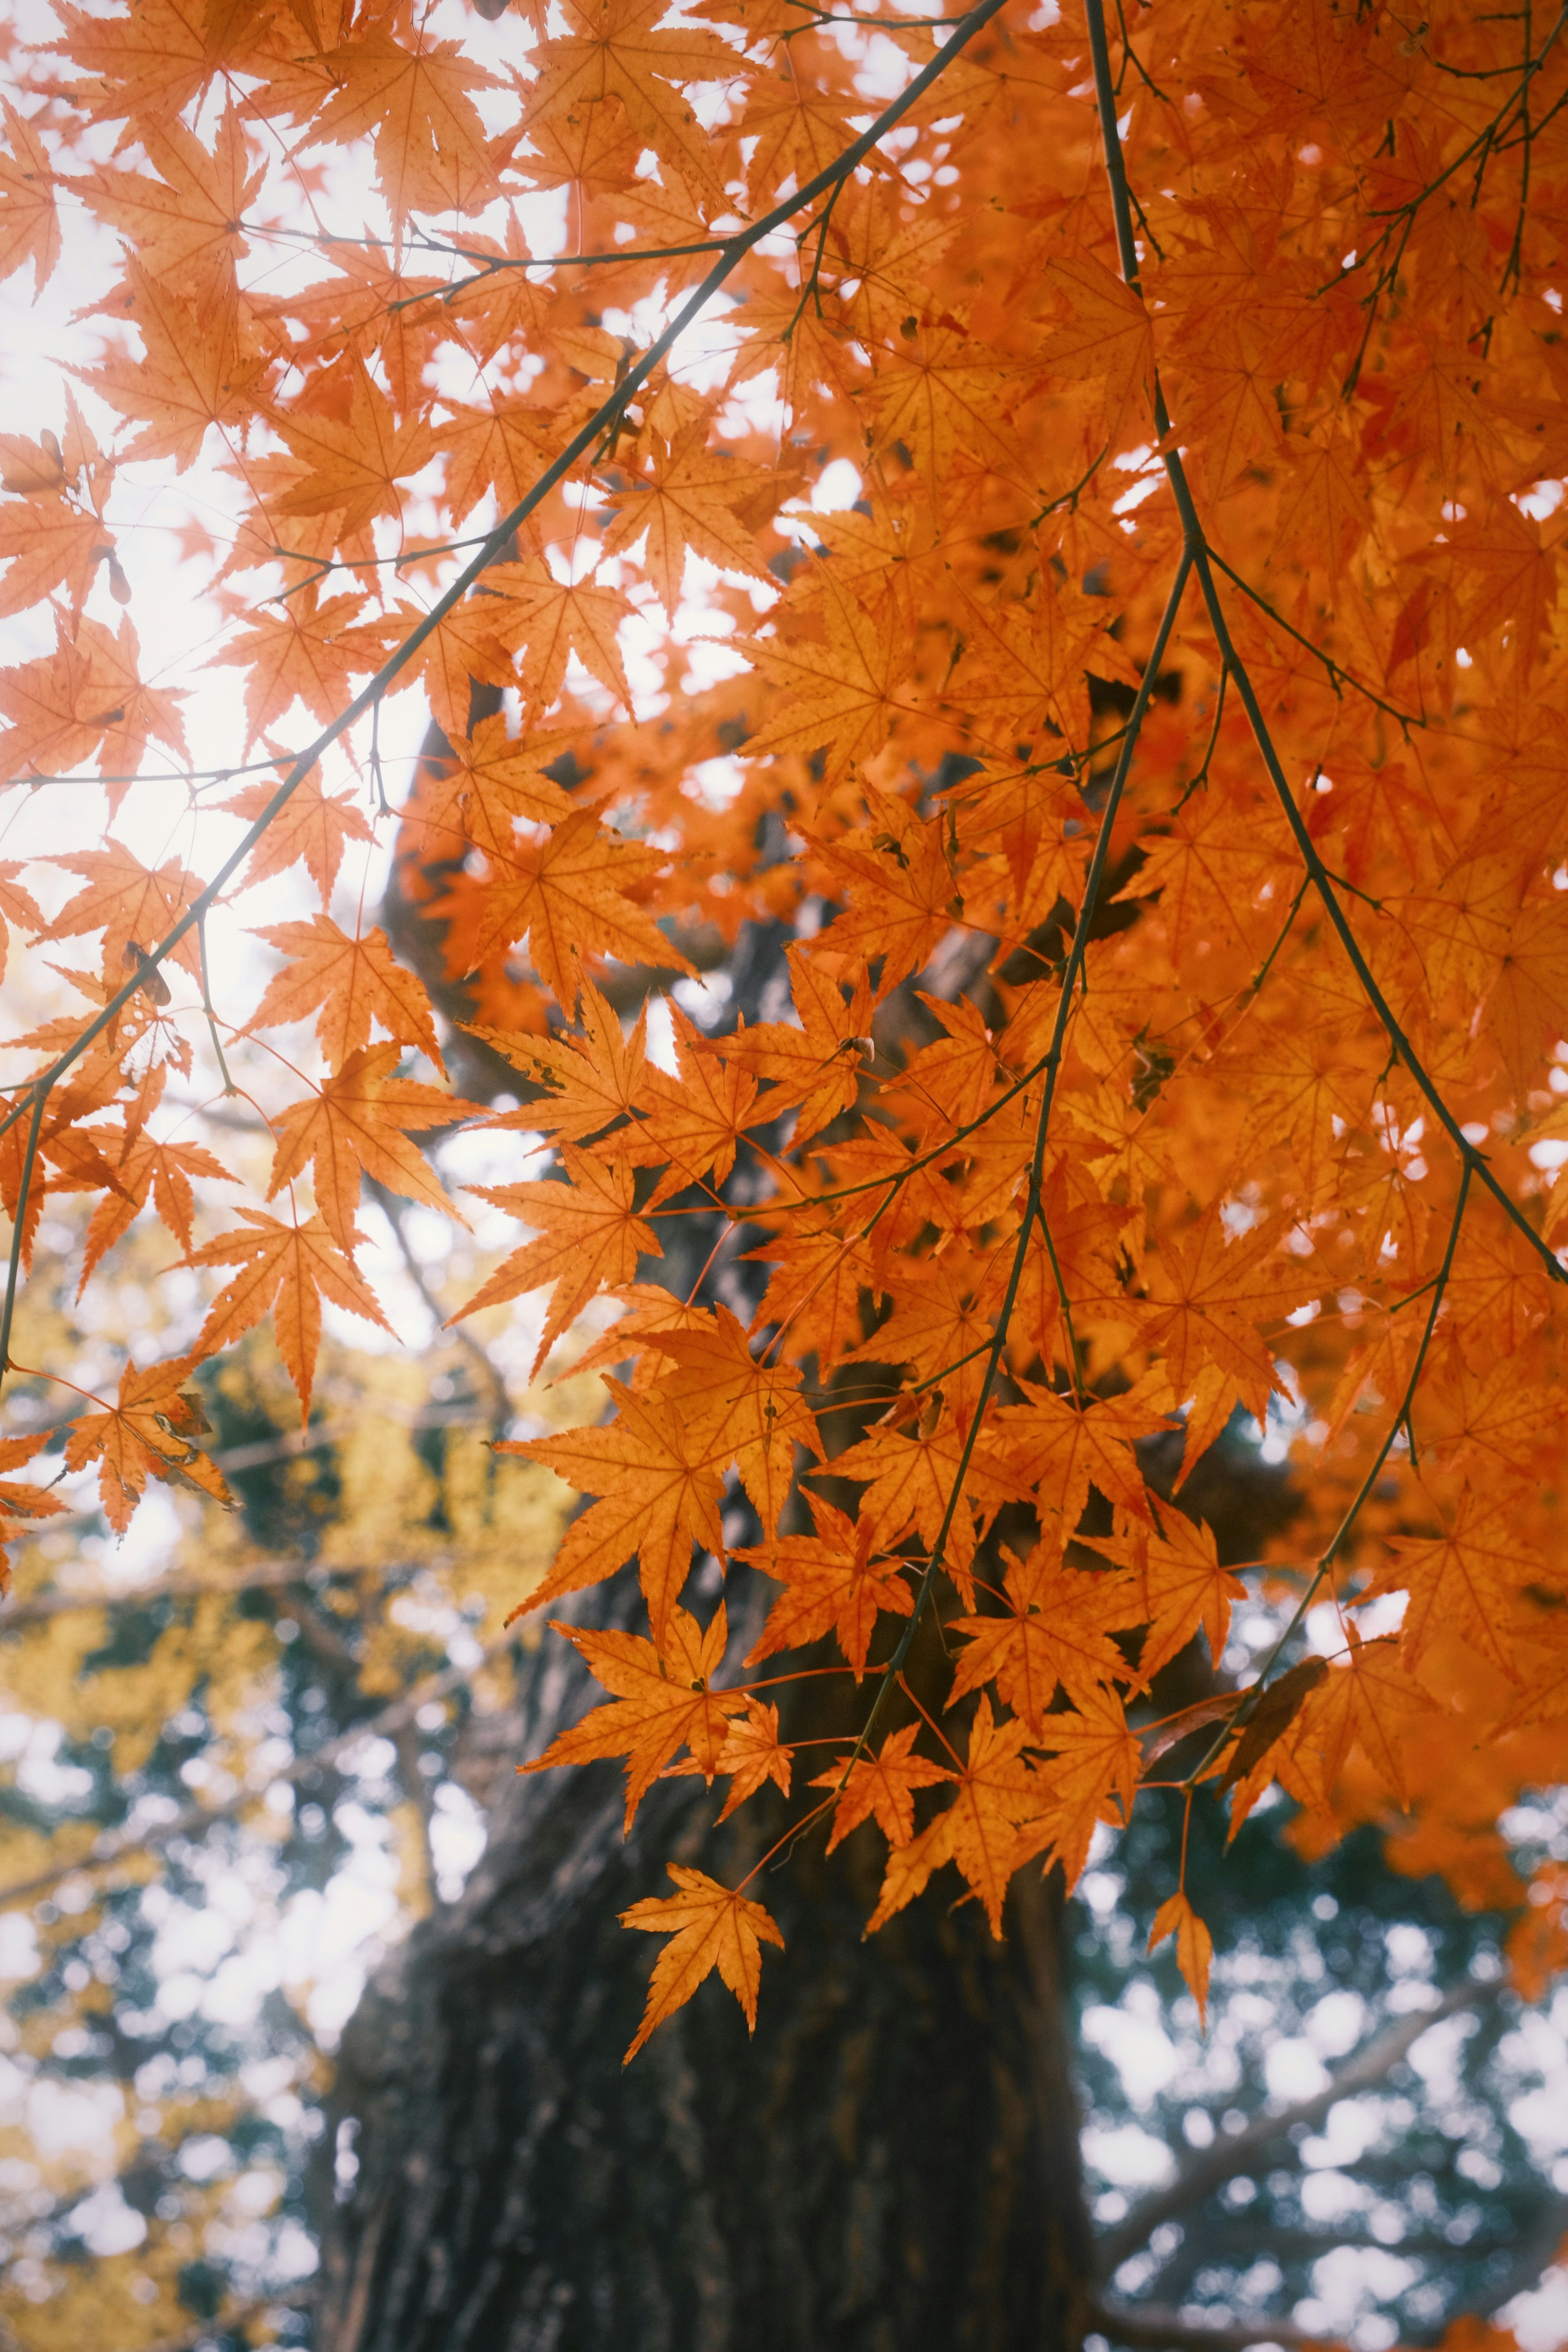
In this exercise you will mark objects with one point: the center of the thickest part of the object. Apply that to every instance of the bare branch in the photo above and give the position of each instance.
(1149, 2328)
(1237, 2152)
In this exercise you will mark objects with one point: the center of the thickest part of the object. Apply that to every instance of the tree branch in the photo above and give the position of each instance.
(1149, 2328)
(1236, 2153)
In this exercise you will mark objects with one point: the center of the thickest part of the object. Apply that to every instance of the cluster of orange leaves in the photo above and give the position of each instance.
(1057, 1229)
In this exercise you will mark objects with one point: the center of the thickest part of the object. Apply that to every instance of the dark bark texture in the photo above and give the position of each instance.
(891, 2164)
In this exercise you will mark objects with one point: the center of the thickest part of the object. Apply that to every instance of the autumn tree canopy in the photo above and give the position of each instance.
(1176, 723)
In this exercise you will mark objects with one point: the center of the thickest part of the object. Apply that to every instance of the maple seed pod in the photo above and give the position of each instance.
(119, 586)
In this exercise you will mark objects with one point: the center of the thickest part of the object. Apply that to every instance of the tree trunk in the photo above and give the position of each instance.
(891, 2164)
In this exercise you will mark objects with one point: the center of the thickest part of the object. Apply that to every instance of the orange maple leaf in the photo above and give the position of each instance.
(431, 152)
(996, 1790)
(1054, 1634)
(687, 503)
(658, 1479)
(312, 824)
(587, 1083)
(1466, 1580)
(621, 51)
(290, 1268)
(565, 896)
(814, 1061)
(347, 982)
(22, 1502)
(350, 467)
(834, 1583)
(884, 1786)
(355, 1122)
(1092, 1777)
(1195, 1947)
(590, 1239)
(29, 219)
(130, 903)
(712, 1928)
(149, 1433)
(141, 1166)
(663, 1701)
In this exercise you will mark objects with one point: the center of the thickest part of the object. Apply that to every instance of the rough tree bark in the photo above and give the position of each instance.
(890, 2165)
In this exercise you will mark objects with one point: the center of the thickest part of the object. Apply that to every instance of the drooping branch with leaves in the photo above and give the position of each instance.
(1159, 756)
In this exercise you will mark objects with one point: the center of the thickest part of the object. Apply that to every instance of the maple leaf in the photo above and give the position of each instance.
(150, 64)
(29, 219)
(839, 697)
(663, 1701)
(20, 1500)
(148, 1431)
(431, 153)
(86, 699)
(899, 876)
(196, 370)
(347, 982)
(564, 895)
(1464, 1582)
(141, 1168)
(814, 1061)
(289, 1269)
(620, 51)
(350, 467)
(501, 448)
(882, 1786)
(939, 389)
(978, 1831)
(940, 1331)
(1182, 1585)
(1207, 1296)
(552, 619)
(1054, 1634)
(1092, 1777)
(659, 1480)
(590, 1239)
(1195, 1947)
(1064, 1449)
(355, 1122)
(712, 1928)
(752, 1753)
(754, 1412)
(692, 1124)
(1366, 1699)
(312, 824)
(687, 503)
(913, 1481)
(50, 542)
(130, 903)
(485, 786)
(1105, 333)
(834, 1583)
(589, 1084)
(797, 127)
(16, 906)
(182, 226)
(301, 648)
